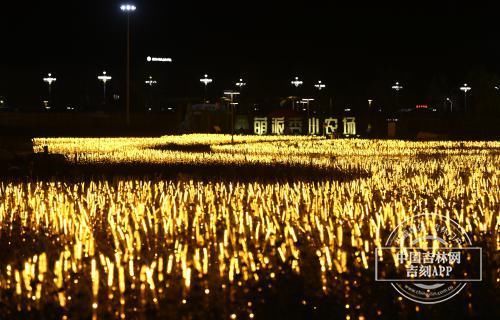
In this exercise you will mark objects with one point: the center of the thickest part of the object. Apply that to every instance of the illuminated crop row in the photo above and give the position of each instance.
(132, 243)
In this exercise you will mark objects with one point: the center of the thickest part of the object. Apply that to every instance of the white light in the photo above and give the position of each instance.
(465, 88)
(297, 83)
(104, 77)
(320, 85)
(128, 7)
(158, 59)
(307, 100)
(49, 79)
(397, 86)
(231, 93)
(150, 82)
(206, 80)
(241, 84)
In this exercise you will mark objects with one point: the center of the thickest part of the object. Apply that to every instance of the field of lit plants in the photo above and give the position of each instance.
(252, 245)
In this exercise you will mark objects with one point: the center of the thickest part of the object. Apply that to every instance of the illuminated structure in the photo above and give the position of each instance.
(240, 84)
(128, 9)
(397, 87)
(307, 101)
(278, 126)
(49, 80)
(465, 88)
(206, 81)
(349, 126)
(313, 125)
(158, 59)
(296, 83)
(150, 82)
(104, 78)
(330, 126)
(232, 94)
(320, 85)
(260, 126)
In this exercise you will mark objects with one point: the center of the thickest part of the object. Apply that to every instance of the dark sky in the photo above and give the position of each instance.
(348, 44)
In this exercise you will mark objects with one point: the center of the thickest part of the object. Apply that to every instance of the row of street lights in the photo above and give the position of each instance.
(465, 88)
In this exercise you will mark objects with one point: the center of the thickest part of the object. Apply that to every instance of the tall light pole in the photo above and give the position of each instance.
(104, 78)
(232, 94)
(465, 88)
(150, 82)
(206, 81)
(397, 87)
(320, 86)
(296, 83)
(49, 79)
(451, 104)
(128, 9)
(307, 101)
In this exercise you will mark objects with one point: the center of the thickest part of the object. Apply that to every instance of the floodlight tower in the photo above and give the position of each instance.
(128, 9)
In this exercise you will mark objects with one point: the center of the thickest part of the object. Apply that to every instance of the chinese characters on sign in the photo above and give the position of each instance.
(281, 125)
(313, 126)
(331, 126)
(260, 126)
(278, 126)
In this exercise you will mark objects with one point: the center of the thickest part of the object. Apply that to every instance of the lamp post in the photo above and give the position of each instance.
(150, 82)
(206, 81)
(320, 85)
(451, 103)
(296, 83)
(397, 87)
(49, 79)
(128, 9)
(104, 78)
(240, 84)
(232, 94)
(465, 88)
(307, 101)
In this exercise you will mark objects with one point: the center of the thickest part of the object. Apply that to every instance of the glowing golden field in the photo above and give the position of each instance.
(141, 247)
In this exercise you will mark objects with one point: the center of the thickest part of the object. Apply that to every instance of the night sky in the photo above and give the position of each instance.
(356, 48)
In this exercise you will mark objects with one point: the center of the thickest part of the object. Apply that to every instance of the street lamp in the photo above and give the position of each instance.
(370, 101)
(296, 83)
(465, 88)
(307, 101)
(240, 84)
(232, 94)
(49, 79)
(206, 81)
(150, 81)
(451, 104)
(104, 78)
(320, 85)
(128, 9)
(397, 87)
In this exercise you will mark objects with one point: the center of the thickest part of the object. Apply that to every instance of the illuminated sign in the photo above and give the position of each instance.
(331, 125)
(278, 126)
(158, 59)
(422, 106)
(313, 126)
(260, 126)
